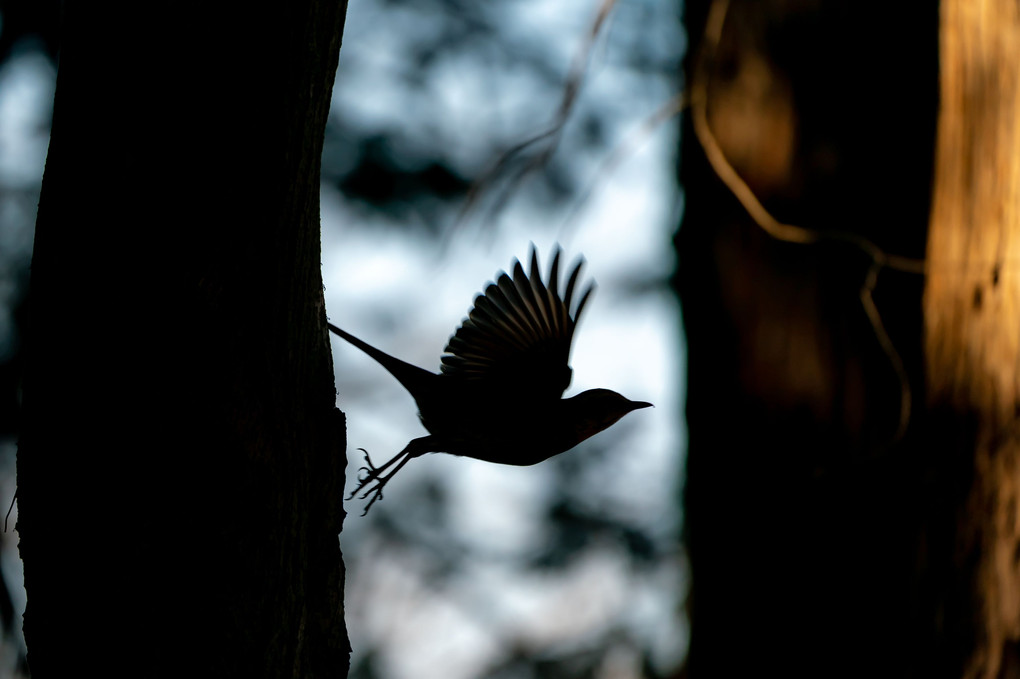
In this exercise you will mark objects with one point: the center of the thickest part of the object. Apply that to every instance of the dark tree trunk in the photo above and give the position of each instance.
(807, 483)
(181, 465)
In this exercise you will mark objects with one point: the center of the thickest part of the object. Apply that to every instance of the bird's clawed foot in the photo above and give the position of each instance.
(366, 475)
(370, 474)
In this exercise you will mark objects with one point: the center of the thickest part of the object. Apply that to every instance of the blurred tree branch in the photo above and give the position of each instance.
(802, 310)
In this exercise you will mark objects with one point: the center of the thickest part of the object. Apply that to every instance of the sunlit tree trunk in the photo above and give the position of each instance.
(972, 334)
(180, 472)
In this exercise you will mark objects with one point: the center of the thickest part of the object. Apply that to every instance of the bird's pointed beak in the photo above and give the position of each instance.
(637, 405)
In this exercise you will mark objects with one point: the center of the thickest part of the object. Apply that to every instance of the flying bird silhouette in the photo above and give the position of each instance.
(498, 395)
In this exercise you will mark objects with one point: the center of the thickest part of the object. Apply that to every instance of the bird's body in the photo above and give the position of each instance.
(498, 396)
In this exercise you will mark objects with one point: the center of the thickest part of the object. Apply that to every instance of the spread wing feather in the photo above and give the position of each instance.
(516, 339)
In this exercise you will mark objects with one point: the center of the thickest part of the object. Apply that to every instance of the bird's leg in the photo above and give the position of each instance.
(374, 474)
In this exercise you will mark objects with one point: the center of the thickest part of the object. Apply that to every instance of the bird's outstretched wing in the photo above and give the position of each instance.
(517, 337)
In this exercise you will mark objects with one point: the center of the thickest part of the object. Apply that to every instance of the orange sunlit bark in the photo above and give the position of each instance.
(972, 315)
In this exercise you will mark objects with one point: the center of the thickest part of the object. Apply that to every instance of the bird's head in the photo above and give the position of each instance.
(595, 410)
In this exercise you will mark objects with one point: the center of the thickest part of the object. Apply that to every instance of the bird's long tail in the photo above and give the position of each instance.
(413, 378)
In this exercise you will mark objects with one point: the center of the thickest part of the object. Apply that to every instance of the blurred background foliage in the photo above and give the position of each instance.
(28, 49)
(569, 570)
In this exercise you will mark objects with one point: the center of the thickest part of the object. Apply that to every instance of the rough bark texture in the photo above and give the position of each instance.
(972, 335)
(181, 466)
(803, 499)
